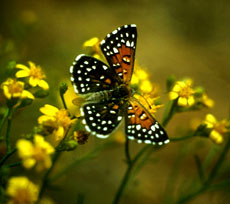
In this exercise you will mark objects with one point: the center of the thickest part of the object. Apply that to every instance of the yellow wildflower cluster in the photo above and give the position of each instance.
(183, 92)
(34, 73)
(187, 96)
(13, 89)
(37, 153)
(22, 191)
(218, 128)
(57, 121)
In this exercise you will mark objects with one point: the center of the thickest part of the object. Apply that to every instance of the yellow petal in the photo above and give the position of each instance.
(216, 137)
(23, 67)
(33, 81)
(31, 64)
(25, 148)
(59, 134)
(176, 88)
(173, 95)
(181, 84)
(91, 42)
(49, 110)
(27, 94)
(210, 120)
(29, 163)
(43, 84)
(45, 118)
(182, 101)
(191, 100)
(6, 92)
(22, 73)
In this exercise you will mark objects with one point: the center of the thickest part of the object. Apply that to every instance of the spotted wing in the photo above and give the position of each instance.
(119, 50)
(89, 75)
(142, 126)
(102, 118)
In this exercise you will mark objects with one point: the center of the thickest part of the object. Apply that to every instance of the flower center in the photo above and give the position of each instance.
(186, 92)
(220, 127)
(22, 196)
(15, 87)
(39, 153)
(37, 72)
(63, 118)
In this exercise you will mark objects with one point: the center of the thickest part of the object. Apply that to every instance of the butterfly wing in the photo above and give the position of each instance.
(102, 118)
(119, 49)
(90, 75)
(142, 126)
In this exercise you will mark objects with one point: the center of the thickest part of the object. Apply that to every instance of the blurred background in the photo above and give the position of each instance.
(184, 38)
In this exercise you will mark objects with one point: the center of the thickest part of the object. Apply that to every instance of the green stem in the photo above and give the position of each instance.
(14, 164)
(63, 100)
(211, 176)
(80, 160)
(6, 156)
(45, 179)
(126, 177)
(6, 114)
(169, 112)
(8, 145)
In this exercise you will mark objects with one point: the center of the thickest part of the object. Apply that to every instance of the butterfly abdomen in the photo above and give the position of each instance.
(119, 92)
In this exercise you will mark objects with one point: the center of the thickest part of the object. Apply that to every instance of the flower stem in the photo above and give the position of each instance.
(6, 114)
(6, 156)
(211, 176)
(169, 112)
(126, 177)
(45, 179)
(8, 128)
(63, 98)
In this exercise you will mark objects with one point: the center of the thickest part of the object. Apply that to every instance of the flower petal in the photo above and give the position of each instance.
(27, 94)
(210, 121)
(182, 101)
(31, 64)
(49, 110)
(29, 163)
(173, 95)
(43, 84)
(22, 73)
(191, 100)
(216, 137)
(23, 67)
(33, 81)
(25, 148)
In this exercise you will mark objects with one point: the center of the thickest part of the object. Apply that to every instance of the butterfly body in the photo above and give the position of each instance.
(108, 94)
(122, 91)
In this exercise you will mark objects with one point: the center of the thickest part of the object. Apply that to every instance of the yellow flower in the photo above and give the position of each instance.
(218, 128)
(22, 191)
(34, 73)
(94, 44)
(57, 120)
(37, 153)
(13, 89)
(148, 101)
(141, 80)
(183, 92)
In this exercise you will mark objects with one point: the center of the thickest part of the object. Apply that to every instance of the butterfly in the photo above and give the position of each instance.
(109, 97)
